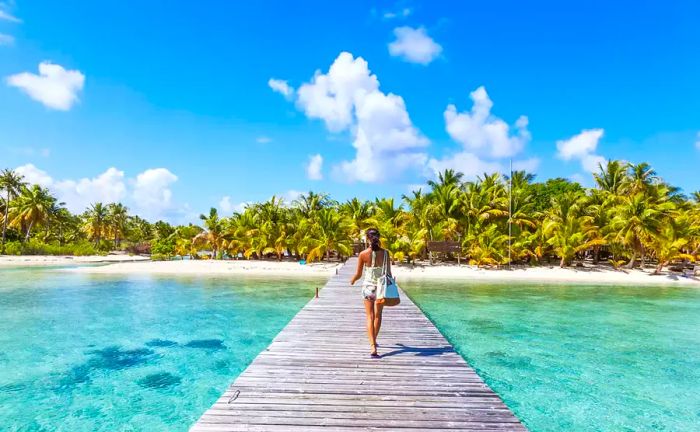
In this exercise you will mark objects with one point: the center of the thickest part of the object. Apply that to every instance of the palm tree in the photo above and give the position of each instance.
(96, 222)
(612, 177)
(12, 183)
(636, 221)
(330, 233)
(31, 208)
(214, 231)
(118, 218)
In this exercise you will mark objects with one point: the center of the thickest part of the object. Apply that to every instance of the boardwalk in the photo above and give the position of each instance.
(317, 375)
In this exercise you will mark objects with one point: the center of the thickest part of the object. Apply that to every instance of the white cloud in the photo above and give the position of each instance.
(348, 98)
(530, 165)
(6, 16)
(403, 13)
(263, 140)
(482, 132)
(107, 187)
(281, 87)
(414, 45)
(485, 140)
(313, 168)
(6, 39)
(226, 206)
(148, 195)
(465, 162)
(55, 87)
(34, 175)
(582, 147)
(152, 195)
(697, 141)
(291, 195)
(30, 151)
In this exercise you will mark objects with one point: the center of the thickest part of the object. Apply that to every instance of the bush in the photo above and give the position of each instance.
(36, 247)
(13, 248)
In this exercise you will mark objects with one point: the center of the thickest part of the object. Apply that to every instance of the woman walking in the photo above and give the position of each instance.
(371, 263)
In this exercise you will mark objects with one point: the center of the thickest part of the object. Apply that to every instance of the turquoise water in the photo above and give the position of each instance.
(99, 353)
(578, 358)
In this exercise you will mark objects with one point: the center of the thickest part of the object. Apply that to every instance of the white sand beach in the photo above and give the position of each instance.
(125, 264)
(544, 274)
(60, 260)
(209, 267)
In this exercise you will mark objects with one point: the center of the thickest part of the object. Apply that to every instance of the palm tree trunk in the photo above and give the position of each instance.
(632, 261)
(659, 267)
(29, 230)
(562, 263)
(4, 221)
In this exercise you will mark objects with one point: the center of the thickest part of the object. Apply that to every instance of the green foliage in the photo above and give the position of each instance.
(165, 247)
(36, 247)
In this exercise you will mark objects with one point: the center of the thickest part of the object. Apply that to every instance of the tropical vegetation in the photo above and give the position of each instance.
(630, 217)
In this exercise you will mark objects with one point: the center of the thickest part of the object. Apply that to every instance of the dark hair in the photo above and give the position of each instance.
(373, 239)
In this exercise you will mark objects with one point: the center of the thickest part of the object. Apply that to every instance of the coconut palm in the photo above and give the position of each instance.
(636, 221)
(117, 218)
(213, 233)
(96, 222)
(11, 183)
(330, 233)
(612, 177)
(31, 208)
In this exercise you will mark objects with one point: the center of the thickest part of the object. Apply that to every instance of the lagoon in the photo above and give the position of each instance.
(577, 357)
(103, 353)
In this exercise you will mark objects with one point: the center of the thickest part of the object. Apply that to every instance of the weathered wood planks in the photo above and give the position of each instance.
(317, 375)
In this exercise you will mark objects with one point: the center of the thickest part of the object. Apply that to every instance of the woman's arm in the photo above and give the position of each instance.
(358, 273)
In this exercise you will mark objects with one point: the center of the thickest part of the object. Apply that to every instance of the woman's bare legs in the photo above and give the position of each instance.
(378, 307)
(369, 311)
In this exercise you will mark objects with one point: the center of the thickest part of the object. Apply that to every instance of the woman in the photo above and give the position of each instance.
(372, 260)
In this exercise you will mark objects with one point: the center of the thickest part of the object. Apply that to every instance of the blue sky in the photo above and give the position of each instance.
(176, 96)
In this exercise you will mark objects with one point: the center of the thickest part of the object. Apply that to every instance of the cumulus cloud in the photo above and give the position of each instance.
(151, 194)
(485, 139)
(465, 162)
(314, 166)
(148, 194)
(414, 45)
(6, 39)
(281, 87)
(347, 98)
(582, 147)
(34, 175)
(54, 86)
(484, 133)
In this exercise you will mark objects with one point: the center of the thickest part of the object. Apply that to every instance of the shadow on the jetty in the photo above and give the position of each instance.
(419, 351)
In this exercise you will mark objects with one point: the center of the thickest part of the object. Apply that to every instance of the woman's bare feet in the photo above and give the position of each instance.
(373, 352)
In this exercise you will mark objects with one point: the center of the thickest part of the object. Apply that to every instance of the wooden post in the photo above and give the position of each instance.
(316, 292)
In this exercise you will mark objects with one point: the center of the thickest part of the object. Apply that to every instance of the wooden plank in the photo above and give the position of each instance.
(317, 374)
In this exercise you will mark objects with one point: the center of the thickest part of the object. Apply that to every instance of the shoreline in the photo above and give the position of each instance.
(124, 264)
(597, 275)
(59, 260)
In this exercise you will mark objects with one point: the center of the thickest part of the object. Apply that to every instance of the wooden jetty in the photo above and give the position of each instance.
(317, 375)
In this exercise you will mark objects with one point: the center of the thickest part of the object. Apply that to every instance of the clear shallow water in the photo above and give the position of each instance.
(578, 358)
(101, 353)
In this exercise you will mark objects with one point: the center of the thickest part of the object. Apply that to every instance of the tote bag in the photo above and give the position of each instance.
(387, 290)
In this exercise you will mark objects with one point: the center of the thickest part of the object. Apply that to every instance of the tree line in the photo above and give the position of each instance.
(630, 217)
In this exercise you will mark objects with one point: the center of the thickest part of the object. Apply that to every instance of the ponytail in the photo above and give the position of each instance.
(373, 237)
